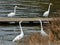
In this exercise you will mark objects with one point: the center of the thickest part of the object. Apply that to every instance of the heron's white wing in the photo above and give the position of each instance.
(11, 14)
(44, 33)
(46, 13)
(16, 38)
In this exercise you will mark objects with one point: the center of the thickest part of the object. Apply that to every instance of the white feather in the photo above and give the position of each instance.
(43, 33)
(20, 36)
(11, 14)
(17, 38)
(46, 13)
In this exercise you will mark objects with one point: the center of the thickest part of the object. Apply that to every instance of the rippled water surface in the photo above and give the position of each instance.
(28, 8)
(9, 32)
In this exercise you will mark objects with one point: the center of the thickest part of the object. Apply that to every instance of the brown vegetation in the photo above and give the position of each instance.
(55, 29)
(53, 38)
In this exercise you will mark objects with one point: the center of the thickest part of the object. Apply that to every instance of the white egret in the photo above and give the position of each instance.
(47, 12)
(12, 13)
(43, 33)
(20, 36)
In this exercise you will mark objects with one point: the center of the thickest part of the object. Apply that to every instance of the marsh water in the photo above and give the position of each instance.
(27, 9)
(9, 32)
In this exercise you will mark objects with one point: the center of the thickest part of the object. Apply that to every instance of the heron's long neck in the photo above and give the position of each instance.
(41, 25)
(21, 28)
(49, 8)
(14, 9)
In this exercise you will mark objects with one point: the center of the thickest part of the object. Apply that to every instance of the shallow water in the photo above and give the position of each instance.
(8, 33)
(27, 8)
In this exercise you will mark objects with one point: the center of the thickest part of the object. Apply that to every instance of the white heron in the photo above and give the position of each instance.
(20, 36)
(46, 13)
(12, 13)
(43, 33)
